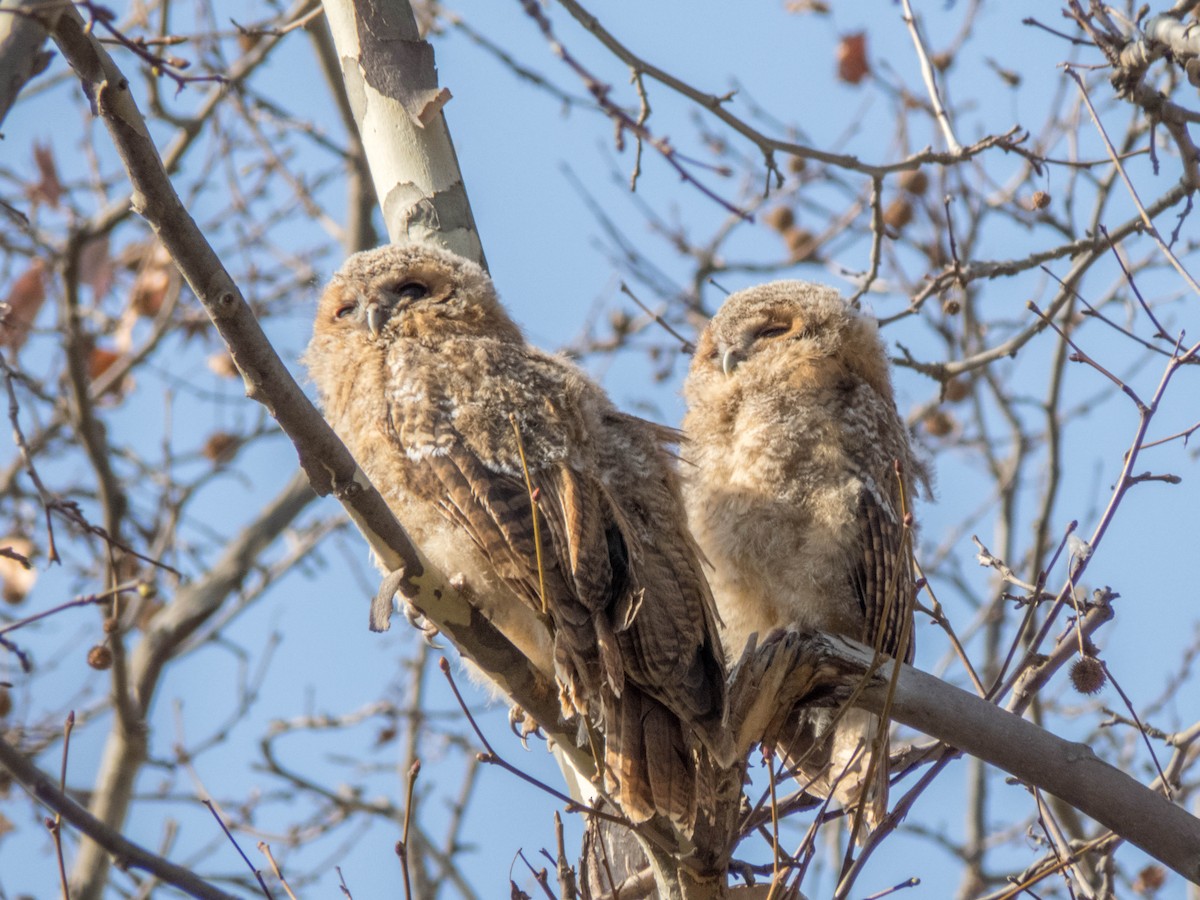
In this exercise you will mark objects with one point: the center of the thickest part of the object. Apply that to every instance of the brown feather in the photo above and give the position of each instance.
(792, 445)
(450, 412)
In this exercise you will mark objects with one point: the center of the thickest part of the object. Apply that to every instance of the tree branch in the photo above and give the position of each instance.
(128, 854)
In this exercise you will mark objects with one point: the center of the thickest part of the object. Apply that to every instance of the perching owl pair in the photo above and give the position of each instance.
(798, 479)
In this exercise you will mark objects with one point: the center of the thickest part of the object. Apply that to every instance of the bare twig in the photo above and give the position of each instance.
(1147, 219)
(212, 808)
(927, 73)
(43, 789)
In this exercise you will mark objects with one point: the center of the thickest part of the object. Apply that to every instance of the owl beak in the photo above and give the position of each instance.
(729, 360)
(376, 316)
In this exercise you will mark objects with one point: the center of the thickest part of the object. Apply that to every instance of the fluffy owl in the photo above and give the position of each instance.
(449, 411)
(800, 482)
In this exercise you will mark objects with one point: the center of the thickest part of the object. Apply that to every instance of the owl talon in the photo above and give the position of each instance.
(417, 620)
(428, 630)
(522, 725)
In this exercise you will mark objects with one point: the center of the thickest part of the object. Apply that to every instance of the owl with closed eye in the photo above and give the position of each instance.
(799, 484)
(562, 515)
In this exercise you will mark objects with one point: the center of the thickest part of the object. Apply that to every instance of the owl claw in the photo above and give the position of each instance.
(522, 725)
(417, 620)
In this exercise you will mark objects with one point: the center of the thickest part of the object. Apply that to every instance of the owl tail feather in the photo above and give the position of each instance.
(650, 766)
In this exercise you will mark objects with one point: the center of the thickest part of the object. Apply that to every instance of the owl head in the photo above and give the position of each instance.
(786, 332)
(410, 291)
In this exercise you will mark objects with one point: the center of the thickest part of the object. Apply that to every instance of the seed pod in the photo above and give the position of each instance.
(100, 657)
(938, 423)
(898, 213)
(800, 244)
(1087, 675)
(956, 390)
(914, 182)
(781, 218)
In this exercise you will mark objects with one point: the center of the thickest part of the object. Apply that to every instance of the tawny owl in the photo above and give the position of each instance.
(448, 410)
(799, 482)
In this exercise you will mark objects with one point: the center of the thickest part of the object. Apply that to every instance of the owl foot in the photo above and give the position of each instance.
(382, 608)
(522, 725)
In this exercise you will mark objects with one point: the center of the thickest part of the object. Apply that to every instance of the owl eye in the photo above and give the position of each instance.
(345, 310)
(411, 290)
(772, 331)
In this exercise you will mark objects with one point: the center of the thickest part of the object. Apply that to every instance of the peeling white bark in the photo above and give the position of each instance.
(23, 53)
(391, 81)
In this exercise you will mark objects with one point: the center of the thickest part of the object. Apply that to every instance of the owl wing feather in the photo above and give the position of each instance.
(578, 570)
(587, 577)
(638, 664)
(882, 579)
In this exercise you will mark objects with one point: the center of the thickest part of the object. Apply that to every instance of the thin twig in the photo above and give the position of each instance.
(212, 808)
(402, 847)
(541, 876)
(1137, 201)
(1080, 356)
(686, 345)
(43, 789)
(265, 849)
(927, 73)
(490, 756)
(56, 826)
(622, 119)
(47, 500)
(1163, 780)
(533, 512)
(1160, 332)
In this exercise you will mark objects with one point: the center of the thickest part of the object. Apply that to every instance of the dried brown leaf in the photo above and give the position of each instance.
(780, 218)
(48, 188)
(96, 267)
(956, 390)
(1039, 200)
(1149, 880)
(100, 657)
(99, 361)
(801, 243)
(914, 181)
(25, 299)
(153, 281)
(852, 64)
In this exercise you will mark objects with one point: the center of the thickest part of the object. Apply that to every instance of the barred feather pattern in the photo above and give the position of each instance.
(799, 477)
(469, 433)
